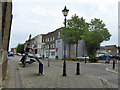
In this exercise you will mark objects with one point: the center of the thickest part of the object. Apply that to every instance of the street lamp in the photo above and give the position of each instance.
(65, 12)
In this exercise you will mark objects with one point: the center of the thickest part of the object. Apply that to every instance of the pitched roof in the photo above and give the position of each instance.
(110, 47)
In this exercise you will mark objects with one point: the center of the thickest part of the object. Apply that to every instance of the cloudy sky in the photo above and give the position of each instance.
(43, 16)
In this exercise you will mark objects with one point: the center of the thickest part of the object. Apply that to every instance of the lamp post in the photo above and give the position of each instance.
(49, 57)
(65, 12)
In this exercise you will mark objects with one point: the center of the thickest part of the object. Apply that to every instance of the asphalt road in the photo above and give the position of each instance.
(98, 70)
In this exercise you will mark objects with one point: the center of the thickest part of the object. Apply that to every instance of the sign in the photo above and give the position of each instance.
(56, 49)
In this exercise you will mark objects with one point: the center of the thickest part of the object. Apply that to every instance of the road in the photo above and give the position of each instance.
(98, 70)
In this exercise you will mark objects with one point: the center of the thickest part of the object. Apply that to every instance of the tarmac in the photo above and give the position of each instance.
(28, 77)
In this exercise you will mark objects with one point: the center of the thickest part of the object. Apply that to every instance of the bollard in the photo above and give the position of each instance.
(48, 62)
(77, 69)
(113, 64)
(41, 68)
(85, 60)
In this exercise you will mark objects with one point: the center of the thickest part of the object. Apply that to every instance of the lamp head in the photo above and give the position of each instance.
(65, 11)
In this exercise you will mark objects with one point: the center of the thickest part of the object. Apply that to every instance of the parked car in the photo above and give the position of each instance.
(19, 54)
(83, 57)
(104, 57)
(23, 54)
(30, 55)
(10, 54)
(38, 56)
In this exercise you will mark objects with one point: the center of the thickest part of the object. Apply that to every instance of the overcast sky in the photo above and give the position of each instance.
(42, 16)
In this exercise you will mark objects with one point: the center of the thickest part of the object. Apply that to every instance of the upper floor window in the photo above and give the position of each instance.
(46, 40)
(53, 38)
(53, 45)
(58, 34)
(43, 40)
(50, 39)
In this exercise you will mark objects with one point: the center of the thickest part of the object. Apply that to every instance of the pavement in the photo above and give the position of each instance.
(28, 77)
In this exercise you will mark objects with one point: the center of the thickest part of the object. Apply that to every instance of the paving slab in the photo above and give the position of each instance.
(28, 77)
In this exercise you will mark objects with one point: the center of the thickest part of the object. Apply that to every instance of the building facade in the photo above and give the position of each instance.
(51, 46)
(109, 50)
(35, 44)
(54, 46)
(5, 29)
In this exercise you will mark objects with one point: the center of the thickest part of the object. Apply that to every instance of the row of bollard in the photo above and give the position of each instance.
(77, 68)
(41, 68)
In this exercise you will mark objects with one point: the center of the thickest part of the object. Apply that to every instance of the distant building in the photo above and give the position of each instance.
(35, 44)
(13, 50)
(111, 49)
(51, 45)
(108, 50)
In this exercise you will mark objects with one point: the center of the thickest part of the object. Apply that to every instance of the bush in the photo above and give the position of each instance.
(75, 58)
(93, 59)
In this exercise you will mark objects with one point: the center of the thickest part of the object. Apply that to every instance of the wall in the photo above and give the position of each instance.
(5, 30)
(119, 27)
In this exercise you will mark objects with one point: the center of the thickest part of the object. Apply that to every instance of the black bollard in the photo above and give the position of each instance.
(41, 68)
(113, 64)
(85, 60)
(77, 69)
(48, 62)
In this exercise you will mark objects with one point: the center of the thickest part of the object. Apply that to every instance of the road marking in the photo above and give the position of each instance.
(111, 71)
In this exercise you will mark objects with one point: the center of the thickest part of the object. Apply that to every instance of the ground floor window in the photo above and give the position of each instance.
(47, 54)
(52, 53)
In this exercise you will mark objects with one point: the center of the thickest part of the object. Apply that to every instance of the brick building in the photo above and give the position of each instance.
(52, 46)
(49, 41)
(109, 49)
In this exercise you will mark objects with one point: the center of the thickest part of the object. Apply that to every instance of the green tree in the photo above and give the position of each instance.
(97, 34)
(75, 28)
(20, 48)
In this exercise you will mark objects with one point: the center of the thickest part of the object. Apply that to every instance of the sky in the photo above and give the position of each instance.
(42, 16)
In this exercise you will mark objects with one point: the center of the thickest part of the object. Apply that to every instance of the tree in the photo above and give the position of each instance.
(20, 48)
(75, 28)
(97, 34)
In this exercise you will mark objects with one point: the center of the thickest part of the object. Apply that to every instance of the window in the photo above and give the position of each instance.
(48, 46)
(43, 40)
(109, 50)
(53, 45)
(53, 38)
(52, 53)
(50, 39)
(58, 34)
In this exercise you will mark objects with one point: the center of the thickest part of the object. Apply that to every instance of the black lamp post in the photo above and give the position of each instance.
(65, 12)
(29, 39)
